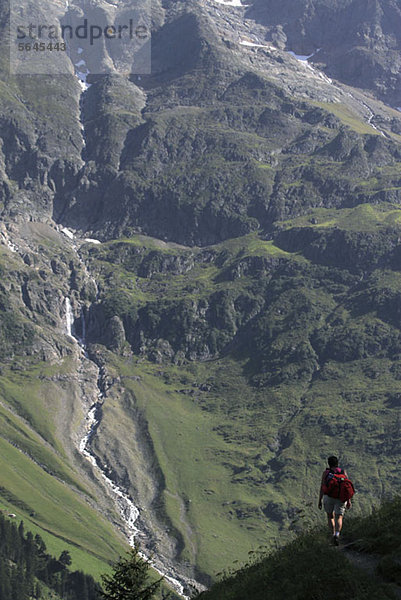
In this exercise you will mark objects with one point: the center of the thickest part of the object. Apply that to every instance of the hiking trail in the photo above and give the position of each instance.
(368, 563)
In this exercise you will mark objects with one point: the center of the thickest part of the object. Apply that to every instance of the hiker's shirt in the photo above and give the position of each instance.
(333, 505)
(327, 471)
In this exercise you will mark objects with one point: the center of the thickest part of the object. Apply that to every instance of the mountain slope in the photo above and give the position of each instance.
(199, 295)
(310, 567)
(358, 41)
(224, 112)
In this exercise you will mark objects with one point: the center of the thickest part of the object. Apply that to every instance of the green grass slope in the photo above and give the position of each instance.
(39, 483)
(249, 362)
(309, 567)
(234, 364)
(232, 372)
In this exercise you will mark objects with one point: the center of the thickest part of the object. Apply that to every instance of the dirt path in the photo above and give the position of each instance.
(368, 563)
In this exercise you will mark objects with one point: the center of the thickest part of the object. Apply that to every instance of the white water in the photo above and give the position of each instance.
(90, 423)
(304, 60)
(371, 116)
(128, 511)
(5, 239)
(69, 317)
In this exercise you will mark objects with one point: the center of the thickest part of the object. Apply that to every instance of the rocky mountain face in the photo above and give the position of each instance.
(354, 41)
(200, 275)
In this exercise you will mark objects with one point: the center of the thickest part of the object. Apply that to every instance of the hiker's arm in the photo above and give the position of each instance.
(321, 491)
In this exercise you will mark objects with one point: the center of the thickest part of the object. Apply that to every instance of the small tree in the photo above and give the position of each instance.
(65, 558)
(130, 579)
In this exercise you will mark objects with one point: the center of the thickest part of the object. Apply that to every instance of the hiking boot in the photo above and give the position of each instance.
(336, 540)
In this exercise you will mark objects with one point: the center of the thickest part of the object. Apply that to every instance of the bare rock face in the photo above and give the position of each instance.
(359, 42)
(182, 153)
(115, 334)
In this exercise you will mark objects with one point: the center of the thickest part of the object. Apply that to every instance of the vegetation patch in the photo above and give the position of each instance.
(347, 117)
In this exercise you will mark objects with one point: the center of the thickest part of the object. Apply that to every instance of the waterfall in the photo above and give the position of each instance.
(69, 318)
(130, 513)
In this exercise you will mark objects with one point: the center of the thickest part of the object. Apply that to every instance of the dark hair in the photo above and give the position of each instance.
(333, 461)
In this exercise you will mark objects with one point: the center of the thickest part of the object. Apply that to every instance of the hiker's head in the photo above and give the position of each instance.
(333, 462)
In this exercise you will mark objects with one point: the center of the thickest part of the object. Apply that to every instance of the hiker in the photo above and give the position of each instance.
(336, 491)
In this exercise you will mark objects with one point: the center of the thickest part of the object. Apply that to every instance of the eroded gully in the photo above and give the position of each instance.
(128, 511)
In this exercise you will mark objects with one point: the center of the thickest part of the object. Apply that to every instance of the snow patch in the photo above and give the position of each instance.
(230, 2)
(67, 232)
(325, 78)
(6, 240)
(82, 73)
(12, 246)
(254, 45)
(301, 57)
(82, 80)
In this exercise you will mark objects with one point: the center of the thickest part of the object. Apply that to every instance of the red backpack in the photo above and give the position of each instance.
(337, 485)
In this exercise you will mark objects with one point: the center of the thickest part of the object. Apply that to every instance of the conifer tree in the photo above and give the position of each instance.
(65, 558)
(130, 579)
(38, 591)
(5, 580)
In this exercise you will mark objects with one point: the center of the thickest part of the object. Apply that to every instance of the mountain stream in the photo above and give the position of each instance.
(127, 509)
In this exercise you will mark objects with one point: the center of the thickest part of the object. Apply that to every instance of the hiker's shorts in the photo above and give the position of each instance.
(334, 505)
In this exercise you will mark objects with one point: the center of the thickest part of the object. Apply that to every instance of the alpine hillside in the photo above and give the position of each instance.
(200, 293)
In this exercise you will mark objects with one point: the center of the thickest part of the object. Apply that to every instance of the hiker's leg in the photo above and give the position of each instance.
(331, 522)
(328, 504)
(338, 523)
(339, 511)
